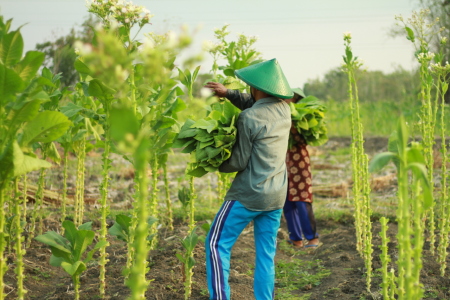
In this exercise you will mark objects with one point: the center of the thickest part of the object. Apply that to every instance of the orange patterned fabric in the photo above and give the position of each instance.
(299, 171)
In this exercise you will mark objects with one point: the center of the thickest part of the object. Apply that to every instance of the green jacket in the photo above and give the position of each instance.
(259, 153)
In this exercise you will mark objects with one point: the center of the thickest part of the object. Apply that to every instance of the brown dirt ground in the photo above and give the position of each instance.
(337, 254)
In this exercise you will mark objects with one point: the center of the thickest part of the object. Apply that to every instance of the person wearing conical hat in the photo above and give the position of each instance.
(258, 191)
(298, 210)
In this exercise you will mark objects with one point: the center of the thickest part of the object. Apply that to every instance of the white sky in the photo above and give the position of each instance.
(305, 36)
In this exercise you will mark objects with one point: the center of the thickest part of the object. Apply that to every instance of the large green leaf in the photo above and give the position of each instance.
(380, 161)
(99, 90)
(189, 148)
(118, 231)
(47, 126)
(10, 84)
(82, 68)
(71, 109)
(208, 125)
(99, 245)
(11, 48)
(56, 261)
(123, 122)
(181, 143)
(29, 65)
(54, 240)
(85, 226)
(402, 135)
(124, 221)
(83, 239)
(177, 106)
(74, 269)
(197, 172)
(26, 113)
(414, 155)
(70, 231)
(164, 122)
(420, 172)
(23, 164)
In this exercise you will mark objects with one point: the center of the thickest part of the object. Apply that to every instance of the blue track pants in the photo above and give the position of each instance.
(300, 220)
(228, 224)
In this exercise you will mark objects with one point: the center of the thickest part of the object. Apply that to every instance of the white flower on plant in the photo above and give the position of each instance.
(148, 43)
(399, 18)
(127, 20)
(425, 56)
(347, 35)
(208, 45)
(82, 48)
(112, 22)
(124, 10)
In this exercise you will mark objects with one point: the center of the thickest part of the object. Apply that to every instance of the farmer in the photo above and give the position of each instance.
(298, 210)
(258, 191)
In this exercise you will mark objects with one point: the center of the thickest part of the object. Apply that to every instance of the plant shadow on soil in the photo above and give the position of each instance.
(337, 254)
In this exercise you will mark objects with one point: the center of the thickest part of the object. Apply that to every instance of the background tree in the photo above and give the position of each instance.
(372, 86)
(60, 53)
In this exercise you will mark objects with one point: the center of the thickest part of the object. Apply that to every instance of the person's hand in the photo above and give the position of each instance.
(218, 89)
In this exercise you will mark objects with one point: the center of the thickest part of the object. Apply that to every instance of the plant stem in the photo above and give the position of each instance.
(191, 204)
(3, 262)
(137, 282)
(64, 191)
(104, 205)
(18, 240)
(385, 258)
(152, 207)
(76, 286)
(168, 202)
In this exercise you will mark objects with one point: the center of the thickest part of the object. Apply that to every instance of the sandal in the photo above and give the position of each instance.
(296, 244)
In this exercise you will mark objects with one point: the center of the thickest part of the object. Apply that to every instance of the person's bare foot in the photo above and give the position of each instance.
(296, 244)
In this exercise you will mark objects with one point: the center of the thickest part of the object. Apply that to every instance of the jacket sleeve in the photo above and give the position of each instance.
(240, 100)
(242, 149)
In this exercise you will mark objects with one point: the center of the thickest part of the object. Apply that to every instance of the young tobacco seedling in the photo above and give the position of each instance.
(68, 250)
(121, 228)
(189, 243)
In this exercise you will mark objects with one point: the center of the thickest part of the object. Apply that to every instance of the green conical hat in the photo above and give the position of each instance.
(299, 92)
(268, 77)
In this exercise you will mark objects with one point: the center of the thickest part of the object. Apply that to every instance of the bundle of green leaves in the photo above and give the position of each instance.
(308, 118)
(209, 140)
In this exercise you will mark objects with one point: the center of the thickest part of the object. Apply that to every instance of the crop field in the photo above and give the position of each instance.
(109, 185)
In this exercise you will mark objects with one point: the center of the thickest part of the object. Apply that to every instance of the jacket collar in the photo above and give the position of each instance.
(267, 100)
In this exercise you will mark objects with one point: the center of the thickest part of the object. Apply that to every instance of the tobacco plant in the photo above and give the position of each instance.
(189, 243)
(419, 32)
(361, 184)
(414, 200)
(21, 123)
(126, 131)
(441, 72)
(68, 250)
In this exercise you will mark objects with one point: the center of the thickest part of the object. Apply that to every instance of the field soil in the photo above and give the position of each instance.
(337, 253)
